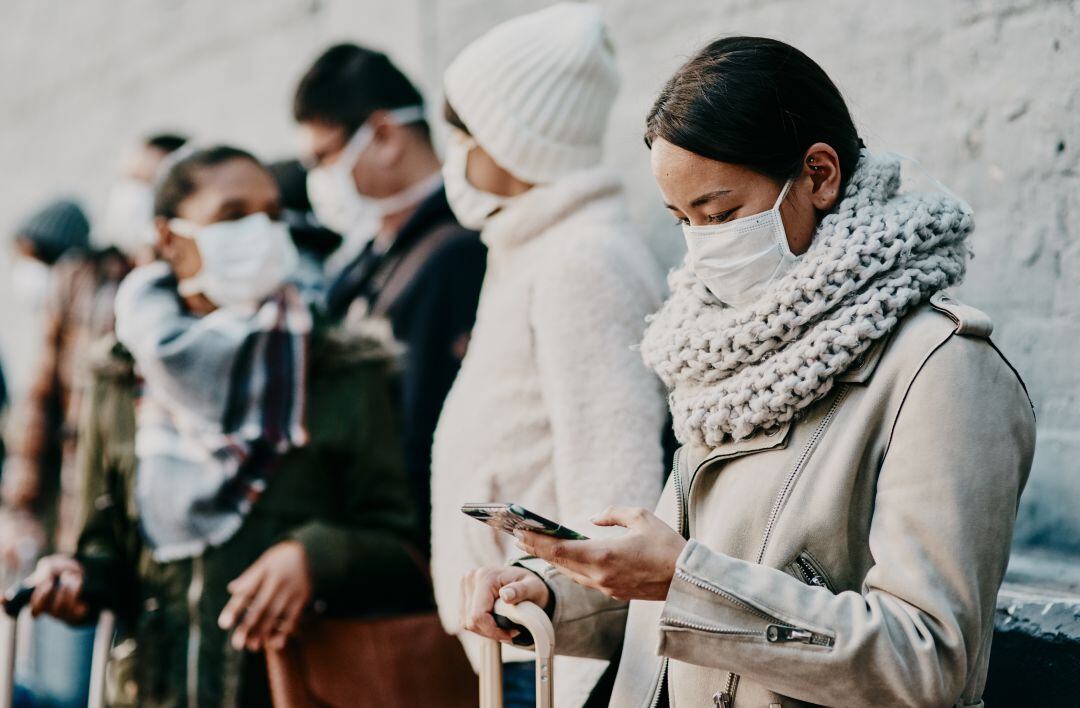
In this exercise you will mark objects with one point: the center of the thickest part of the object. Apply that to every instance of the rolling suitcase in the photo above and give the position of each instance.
(14, 605)
(535, 621)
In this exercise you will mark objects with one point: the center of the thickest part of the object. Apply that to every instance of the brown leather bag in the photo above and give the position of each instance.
(406, 660)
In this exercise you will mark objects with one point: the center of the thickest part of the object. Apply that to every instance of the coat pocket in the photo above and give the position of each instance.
(806, 568)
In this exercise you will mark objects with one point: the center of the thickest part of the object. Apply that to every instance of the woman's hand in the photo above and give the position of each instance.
(638, 565)
(58, 583)
(480, 588)
(268, 598)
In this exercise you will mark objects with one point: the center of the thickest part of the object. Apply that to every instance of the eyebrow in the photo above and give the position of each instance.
(703, 199)
(706, 198)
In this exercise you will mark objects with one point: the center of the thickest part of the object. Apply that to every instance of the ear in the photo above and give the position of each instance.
(389, 143)
(821, 165)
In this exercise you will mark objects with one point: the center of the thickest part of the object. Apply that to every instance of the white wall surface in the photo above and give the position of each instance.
(984, 93)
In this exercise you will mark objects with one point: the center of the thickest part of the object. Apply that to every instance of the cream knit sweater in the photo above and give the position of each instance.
(552, 408)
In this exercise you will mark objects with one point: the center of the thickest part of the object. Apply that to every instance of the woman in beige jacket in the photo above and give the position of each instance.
(838, 520)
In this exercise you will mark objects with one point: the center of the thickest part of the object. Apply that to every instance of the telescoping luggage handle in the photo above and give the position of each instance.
(15, 601)
(535, 620)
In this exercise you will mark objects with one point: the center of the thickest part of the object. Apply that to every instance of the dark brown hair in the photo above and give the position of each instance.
(755, 102)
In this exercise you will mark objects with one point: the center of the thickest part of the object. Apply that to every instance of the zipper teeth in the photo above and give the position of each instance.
(733, 678)
(712, 628)
(698, 582)
(810, 574)
(731, 686)
(680, 503)
(774, 513)
(659, 684)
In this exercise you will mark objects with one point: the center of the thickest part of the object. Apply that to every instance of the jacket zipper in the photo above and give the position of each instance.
(680, 501)
(661, 679)
(195, 590)
(726, 698)
(680, 522)
(778, 631)
(809, 572)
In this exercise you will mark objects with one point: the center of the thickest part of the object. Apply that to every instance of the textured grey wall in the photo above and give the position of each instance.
(984, 93)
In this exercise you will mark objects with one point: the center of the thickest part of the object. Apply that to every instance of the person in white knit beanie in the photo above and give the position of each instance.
(552, 408)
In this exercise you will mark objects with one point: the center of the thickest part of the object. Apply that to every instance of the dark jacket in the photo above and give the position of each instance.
(344, 496)
(427, 284)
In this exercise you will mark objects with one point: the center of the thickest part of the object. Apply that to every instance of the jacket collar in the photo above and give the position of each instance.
(777, 438)
(526, 216)
(864, 366)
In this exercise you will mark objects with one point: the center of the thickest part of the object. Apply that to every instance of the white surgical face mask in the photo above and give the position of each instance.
(334, 197)
(30, 281)
(129, 215)
(243, 261)
(738, 259)
(472, 207)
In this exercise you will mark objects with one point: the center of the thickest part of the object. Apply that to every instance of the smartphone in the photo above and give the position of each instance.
(511, 517)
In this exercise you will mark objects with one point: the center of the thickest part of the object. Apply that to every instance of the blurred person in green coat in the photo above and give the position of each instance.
(240, 457)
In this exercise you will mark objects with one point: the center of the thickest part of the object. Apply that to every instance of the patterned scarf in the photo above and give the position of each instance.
(223, 399)
(876, 256)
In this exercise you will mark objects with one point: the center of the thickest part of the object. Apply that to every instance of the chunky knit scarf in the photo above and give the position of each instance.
(880, 253)
(223, 398)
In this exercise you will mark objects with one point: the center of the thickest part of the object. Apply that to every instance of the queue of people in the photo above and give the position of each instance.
(269, 398)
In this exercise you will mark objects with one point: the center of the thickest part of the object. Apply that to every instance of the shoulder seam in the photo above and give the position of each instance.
(907, 391)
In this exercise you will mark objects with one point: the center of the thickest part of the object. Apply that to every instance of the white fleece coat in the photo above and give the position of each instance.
(553, 408)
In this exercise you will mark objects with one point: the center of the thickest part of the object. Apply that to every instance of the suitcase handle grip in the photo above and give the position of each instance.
(16, 598)
(536, 622)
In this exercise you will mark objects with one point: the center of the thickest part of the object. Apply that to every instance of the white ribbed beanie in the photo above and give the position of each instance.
(535, 92)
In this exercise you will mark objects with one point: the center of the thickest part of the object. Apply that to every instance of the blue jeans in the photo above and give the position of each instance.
(519, 684)
(60, 670)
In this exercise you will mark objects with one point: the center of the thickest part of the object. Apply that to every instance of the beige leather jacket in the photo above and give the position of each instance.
(853, 557)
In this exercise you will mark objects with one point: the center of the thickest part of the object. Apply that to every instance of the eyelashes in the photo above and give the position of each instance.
(711, 219)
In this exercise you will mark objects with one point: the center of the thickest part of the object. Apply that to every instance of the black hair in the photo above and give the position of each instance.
(348, 83)
(453, 119)
(180, 182)
(166, 142)
(755, 102)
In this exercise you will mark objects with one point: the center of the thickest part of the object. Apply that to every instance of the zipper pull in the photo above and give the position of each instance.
(723, 699)
(776, 633)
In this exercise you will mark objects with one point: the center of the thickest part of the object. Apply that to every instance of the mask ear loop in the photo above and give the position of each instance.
(779, 230)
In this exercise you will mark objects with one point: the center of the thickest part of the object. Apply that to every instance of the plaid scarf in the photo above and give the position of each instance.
(222, 401)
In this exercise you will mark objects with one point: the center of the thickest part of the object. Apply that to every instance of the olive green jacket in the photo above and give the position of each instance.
(343, 496)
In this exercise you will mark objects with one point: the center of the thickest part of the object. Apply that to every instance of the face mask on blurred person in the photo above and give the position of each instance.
(738, 259)
(471, 206)
(243, 261)
(129, 215)
(30, 280)
(335, 199)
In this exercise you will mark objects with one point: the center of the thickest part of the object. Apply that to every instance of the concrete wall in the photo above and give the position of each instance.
(984, 93)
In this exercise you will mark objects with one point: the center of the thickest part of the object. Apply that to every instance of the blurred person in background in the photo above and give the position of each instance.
(129, 212)
(77, 310)
(52, 251)
(40, 495)
(240, 457)
(314, 242)
(376, 180)
(551, 391)
(53, 264)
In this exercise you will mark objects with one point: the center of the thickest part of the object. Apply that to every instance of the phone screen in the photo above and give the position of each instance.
(511, 517)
